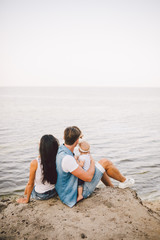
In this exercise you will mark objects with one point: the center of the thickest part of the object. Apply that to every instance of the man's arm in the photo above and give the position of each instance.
(86, 176)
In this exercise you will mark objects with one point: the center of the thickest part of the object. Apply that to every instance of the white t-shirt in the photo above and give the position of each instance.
(86, 159)
(69, 164)
(41, 187)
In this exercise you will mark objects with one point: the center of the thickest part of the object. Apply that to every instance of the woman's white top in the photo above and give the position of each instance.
(39, 186)
(86, 159)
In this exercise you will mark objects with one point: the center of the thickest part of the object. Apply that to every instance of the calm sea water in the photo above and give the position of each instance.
(122, 124)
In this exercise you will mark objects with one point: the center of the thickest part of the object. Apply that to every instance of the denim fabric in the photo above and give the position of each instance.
(89, 187)
(67, 183)
(43, 196)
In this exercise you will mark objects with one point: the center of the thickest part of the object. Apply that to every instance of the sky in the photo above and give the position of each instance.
(113, 43)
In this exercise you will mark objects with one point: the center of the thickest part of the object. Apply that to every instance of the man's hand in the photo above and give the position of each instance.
(81, 163)
(76, 157)
(86, 176)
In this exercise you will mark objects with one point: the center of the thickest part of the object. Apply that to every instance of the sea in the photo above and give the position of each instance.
(120, 124)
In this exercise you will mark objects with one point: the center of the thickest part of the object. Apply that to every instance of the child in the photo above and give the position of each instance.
(84, 161)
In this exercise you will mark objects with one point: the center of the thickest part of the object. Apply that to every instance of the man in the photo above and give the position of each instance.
(68, 171)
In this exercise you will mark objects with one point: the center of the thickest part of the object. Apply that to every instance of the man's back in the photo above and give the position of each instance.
(66, 185)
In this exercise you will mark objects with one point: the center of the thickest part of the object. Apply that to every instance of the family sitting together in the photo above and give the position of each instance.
(58, 170)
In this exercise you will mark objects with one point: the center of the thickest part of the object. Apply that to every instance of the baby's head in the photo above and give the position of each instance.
(84, 147)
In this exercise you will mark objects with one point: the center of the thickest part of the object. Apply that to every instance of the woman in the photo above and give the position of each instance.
(43, 175)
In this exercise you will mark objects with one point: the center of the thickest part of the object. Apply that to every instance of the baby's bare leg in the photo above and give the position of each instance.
(80, 191)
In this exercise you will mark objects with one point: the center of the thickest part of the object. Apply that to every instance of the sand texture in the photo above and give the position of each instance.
(109, 214)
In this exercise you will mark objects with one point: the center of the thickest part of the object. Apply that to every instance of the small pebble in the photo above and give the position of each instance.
(83, 235)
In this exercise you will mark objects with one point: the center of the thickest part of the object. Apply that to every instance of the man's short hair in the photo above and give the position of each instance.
(71, 134)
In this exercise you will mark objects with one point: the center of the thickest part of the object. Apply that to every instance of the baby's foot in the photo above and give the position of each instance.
(79, 198)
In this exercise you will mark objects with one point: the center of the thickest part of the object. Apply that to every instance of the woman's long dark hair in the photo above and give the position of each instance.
(48, 151)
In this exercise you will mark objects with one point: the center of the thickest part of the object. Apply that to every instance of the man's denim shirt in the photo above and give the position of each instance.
(67, 183)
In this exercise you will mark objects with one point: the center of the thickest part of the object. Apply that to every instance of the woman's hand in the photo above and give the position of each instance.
(22, 200)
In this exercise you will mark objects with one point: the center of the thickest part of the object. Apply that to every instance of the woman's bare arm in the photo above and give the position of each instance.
(30, 184)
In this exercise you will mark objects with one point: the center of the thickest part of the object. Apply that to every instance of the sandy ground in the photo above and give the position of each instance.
(109, 214)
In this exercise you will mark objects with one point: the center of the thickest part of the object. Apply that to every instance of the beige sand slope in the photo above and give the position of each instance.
(110, 213)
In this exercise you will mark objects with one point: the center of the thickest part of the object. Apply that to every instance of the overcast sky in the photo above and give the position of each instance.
(80, 43)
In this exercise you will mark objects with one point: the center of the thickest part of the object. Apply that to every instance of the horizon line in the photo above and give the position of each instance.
(73, 86)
